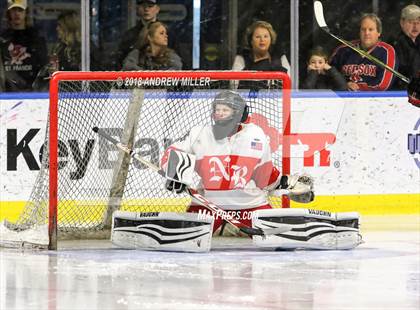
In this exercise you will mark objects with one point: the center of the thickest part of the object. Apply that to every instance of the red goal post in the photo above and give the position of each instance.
(80, 101)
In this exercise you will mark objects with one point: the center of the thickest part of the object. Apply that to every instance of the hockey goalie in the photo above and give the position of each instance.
(232, 157)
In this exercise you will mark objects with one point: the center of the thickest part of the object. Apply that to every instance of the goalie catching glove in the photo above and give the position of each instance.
(179, 171)
(300, 187)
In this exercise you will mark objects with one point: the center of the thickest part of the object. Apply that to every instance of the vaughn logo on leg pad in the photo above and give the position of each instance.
(165, 231)
(319, 212)
(310, 229)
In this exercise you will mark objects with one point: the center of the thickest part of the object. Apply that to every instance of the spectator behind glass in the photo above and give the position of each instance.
(258, 41)
(66, 54)
(24, 51)
(152, 52)
(407, 45)
(147, 11)
(2, 76)
(320, 74)
(361, 73)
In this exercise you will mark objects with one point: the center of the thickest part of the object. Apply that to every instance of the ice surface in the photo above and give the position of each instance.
(382, 273)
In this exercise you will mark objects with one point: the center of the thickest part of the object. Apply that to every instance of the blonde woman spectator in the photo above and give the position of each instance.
(360, 72)
(152, 52)
(68, 49)
(66, 54)
(258, 42)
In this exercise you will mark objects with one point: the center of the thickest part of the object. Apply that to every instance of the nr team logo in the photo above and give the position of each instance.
(220, 170)
(413, 143)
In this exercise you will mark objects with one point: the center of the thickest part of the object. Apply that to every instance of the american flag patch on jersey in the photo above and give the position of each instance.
(256, 146)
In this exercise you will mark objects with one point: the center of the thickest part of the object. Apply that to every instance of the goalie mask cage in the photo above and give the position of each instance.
(84, 178)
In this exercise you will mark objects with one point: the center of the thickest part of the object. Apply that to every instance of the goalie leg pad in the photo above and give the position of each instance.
(163, 231)
(308, 229)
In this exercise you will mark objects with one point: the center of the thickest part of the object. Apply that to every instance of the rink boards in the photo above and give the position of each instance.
(362, 151)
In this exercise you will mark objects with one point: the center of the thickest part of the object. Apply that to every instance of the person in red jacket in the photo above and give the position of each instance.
(360, 72)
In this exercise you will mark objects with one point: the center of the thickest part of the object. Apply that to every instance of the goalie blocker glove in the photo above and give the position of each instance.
(179, 171)
(300, 187)
(175, 186)
(413, 91)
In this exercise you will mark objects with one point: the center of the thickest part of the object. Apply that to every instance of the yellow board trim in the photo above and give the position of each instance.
(398, 204)
(366, 204)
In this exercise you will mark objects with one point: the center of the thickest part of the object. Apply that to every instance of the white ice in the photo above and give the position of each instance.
(382, 273)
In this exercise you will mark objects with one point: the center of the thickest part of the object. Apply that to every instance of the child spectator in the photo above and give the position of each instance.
(320, 74)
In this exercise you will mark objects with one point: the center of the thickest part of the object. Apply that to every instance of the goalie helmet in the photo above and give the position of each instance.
(223, 128)
(413, 91)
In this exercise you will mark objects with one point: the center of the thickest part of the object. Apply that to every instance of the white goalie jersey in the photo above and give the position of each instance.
(236, 171)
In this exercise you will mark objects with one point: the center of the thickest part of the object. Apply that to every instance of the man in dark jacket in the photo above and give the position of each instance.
(407, 46)
(23, 51)
(147, 10)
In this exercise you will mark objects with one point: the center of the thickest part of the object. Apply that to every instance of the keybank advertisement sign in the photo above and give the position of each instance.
(350, 146)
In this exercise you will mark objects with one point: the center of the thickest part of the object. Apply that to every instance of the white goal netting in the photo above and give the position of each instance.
(94, 178)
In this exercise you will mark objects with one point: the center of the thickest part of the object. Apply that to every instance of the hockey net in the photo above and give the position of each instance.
(83, 178)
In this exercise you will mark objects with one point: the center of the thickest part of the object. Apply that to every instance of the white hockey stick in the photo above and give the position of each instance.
(195, 194)
(319, 16)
